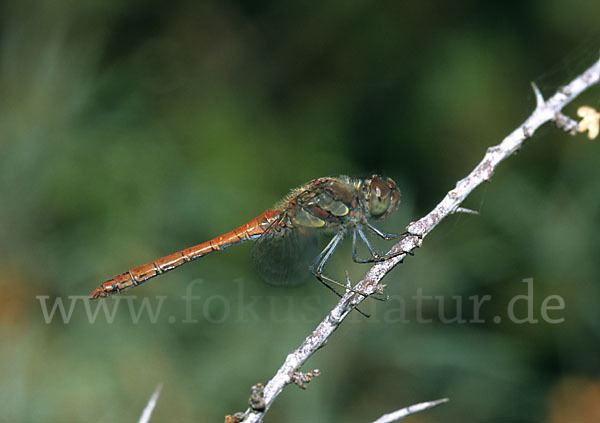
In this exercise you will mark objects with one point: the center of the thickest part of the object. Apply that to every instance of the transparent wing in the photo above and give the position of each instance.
(283, 257)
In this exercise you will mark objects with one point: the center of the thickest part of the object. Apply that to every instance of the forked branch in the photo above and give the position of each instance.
(545, 110)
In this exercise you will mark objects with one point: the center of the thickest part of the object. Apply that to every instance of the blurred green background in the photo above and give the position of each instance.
(130, 130)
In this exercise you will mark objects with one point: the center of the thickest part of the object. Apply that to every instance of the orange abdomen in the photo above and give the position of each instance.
(141, 274)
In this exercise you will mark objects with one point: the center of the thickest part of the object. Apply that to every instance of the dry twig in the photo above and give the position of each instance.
(407, 411)
(545, 110)
(147, 413)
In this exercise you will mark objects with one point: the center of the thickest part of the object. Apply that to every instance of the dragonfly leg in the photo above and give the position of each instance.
(326, 251)
(384, 235)
(317, 267)
(340, 296)
(375, 256)
(318, 264)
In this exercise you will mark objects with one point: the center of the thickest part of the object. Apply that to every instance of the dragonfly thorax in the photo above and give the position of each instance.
(331, 202)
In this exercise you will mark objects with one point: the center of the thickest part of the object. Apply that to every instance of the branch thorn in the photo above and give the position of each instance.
(539, 98)
(465, 210)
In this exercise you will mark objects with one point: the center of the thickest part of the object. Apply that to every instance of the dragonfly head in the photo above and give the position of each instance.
(379, 196)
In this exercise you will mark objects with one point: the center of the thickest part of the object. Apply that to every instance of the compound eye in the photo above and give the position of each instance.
(379, 198)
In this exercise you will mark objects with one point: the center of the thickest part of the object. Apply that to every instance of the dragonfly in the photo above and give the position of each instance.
(286, 238)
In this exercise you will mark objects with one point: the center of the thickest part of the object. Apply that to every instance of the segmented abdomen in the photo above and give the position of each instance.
(141, 274)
